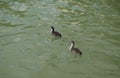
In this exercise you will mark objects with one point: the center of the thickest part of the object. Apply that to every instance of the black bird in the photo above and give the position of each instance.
(73, 49)
(55, 33)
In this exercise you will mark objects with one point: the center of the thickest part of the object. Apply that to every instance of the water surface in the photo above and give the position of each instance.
(27, 49)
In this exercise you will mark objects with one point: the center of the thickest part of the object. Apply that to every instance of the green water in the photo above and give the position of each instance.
(27, 49)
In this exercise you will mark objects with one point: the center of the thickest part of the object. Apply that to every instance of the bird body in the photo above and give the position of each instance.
(73, 49)
(55, 33)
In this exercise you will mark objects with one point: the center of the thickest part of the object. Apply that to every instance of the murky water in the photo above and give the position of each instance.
(27, 49)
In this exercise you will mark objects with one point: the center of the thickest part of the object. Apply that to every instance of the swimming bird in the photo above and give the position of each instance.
(73, 49)
(55, 33)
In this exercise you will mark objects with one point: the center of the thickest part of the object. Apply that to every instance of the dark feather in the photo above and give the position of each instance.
(77, 51)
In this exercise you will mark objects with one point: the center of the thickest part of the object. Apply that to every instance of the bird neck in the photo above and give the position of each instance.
(71, 46)
(52, 30)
